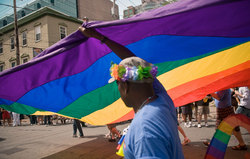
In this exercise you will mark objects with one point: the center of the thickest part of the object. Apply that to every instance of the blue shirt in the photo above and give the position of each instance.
(153, 132)
(225, 99)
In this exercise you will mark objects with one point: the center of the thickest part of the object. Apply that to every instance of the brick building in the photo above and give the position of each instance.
(37, 31)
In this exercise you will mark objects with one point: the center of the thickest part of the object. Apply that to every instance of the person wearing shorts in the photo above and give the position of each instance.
(203, 109)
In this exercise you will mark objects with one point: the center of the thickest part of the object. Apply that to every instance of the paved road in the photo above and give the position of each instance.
(53, 142)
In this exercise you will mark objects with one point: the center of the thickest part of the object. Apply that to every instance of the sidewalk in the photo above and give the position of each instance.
(53, 142)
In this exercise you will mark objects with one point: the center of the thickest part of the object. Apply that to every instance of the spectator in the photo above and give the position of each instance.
(234, 99)
(6, 117)
(244, 108)
(187, 112)
(16, 119)
(114, 133)
(77, 125)
(203, 109)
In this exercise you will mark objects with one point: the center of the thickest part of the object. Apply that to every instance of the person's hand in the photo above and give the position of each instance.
(90, 32)
(237, 93)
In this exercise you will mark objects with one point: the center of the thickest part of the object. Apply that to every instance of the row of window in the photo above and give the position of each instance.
(62, 30)
(13, 64)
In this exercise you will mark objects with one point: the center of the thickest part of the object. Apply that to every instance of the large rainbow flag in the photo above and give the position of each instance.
(200, 47)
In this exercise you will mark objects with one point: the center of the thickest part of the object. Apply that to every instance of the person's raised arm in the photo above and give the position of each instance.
(120, 50)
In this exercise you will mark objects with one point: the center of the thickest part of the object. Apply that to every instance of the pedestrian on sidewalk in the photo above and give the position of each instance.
(203, 109)
(6, 117)
(244, 105)
(234, 98)
(16, 119)
(113, 133)
(187, 113)
(186, 139)
(77, 126)
(223, 109)
(243, 108)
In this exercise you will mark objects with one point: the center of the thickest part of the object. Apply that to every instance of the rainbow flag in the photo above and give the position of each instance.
(199, 46)
(219, 142)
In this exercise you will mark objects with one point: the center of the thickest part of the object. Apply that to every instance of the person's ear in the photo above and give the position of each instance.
(126, 88)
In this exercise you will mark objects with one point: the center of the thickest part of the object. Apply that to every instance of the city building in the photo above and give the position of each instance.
(42, 23)
(145, 6)
(37, 31)
(95, 10)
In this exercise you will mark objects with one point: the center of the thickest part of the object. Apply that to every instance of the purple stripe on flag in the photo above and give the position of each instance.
(216, 153)
(208, 21)
(67, 57)
(18, 81)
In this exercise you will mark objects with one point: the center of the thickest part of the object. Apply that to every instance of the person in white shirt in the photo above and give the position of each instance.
(244, 106)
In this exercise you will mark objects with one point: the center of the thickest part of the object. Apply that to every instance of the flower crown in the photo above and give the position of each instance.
(125, 73)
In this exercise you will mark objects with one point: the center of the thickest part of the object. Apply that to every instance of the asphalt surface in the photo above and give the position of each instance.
(56, 142)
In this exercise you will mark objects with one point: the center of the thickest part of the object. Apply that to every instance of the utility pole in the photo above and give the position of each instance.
(16, 35)
(113, 10)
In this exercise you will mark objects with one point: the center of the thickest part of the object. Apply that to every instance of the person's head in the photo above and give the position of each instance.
(134, 78)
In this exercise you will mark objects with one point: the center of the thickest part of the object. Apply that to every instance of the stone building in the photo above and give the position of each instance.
(95, 10)
(37, 31)
(145, 6)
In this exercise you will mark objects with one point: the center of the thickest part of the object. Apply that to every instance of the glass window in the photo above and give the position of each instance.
(38, 33)
(63, 32)
(12, 43)
(126, 12)
(23, 13)
(4, 22)
(24, 38)
(1, 68)
(25, 60)
(13, 64)
(1, 47)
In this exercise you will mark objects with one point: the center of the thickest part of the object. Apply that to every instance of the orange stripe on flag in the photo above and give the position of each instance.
(209, 84)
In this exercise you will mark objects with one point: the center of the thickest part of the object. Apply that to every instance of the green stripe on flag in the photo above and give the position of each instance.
(221, 136)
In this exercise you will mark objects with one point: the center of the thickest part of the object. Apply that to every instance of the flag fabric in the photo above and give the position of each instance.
(219, 142)
(199, 47)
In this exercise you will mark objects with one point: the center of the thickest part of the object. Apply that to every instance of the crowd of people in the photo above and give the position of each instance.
(153, 132)
(8, 118)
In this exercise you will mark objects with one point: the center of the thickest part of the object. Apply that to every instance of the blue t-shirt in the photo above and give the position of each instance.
(153, 132)
(225, 99)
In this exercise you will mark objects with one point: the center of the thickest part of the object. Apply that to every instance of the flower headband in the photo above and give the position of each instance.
(125, 73)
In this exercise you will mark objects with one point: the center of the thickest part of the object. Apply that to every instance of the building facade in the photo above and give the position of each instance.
(97, 10)
(145, 6)
(37, 31)
(68, 7)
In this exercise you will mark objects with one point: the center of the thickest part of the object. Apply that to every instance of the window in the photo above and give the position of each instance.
(24, 38)
(126, 12)
(1, 47)
(38, 5)
(13, 64)
(12, 43)
(38, 33)
(1, 68)
(23, 13)
(25, 60)
(4, 22)
(63, 32)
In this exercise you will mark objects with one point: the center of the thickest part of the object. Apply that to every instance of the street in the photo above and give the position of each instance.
(52, 142)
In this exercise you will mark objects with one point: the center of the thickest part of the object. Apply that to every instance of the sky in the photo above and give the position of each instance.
(5, 10)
